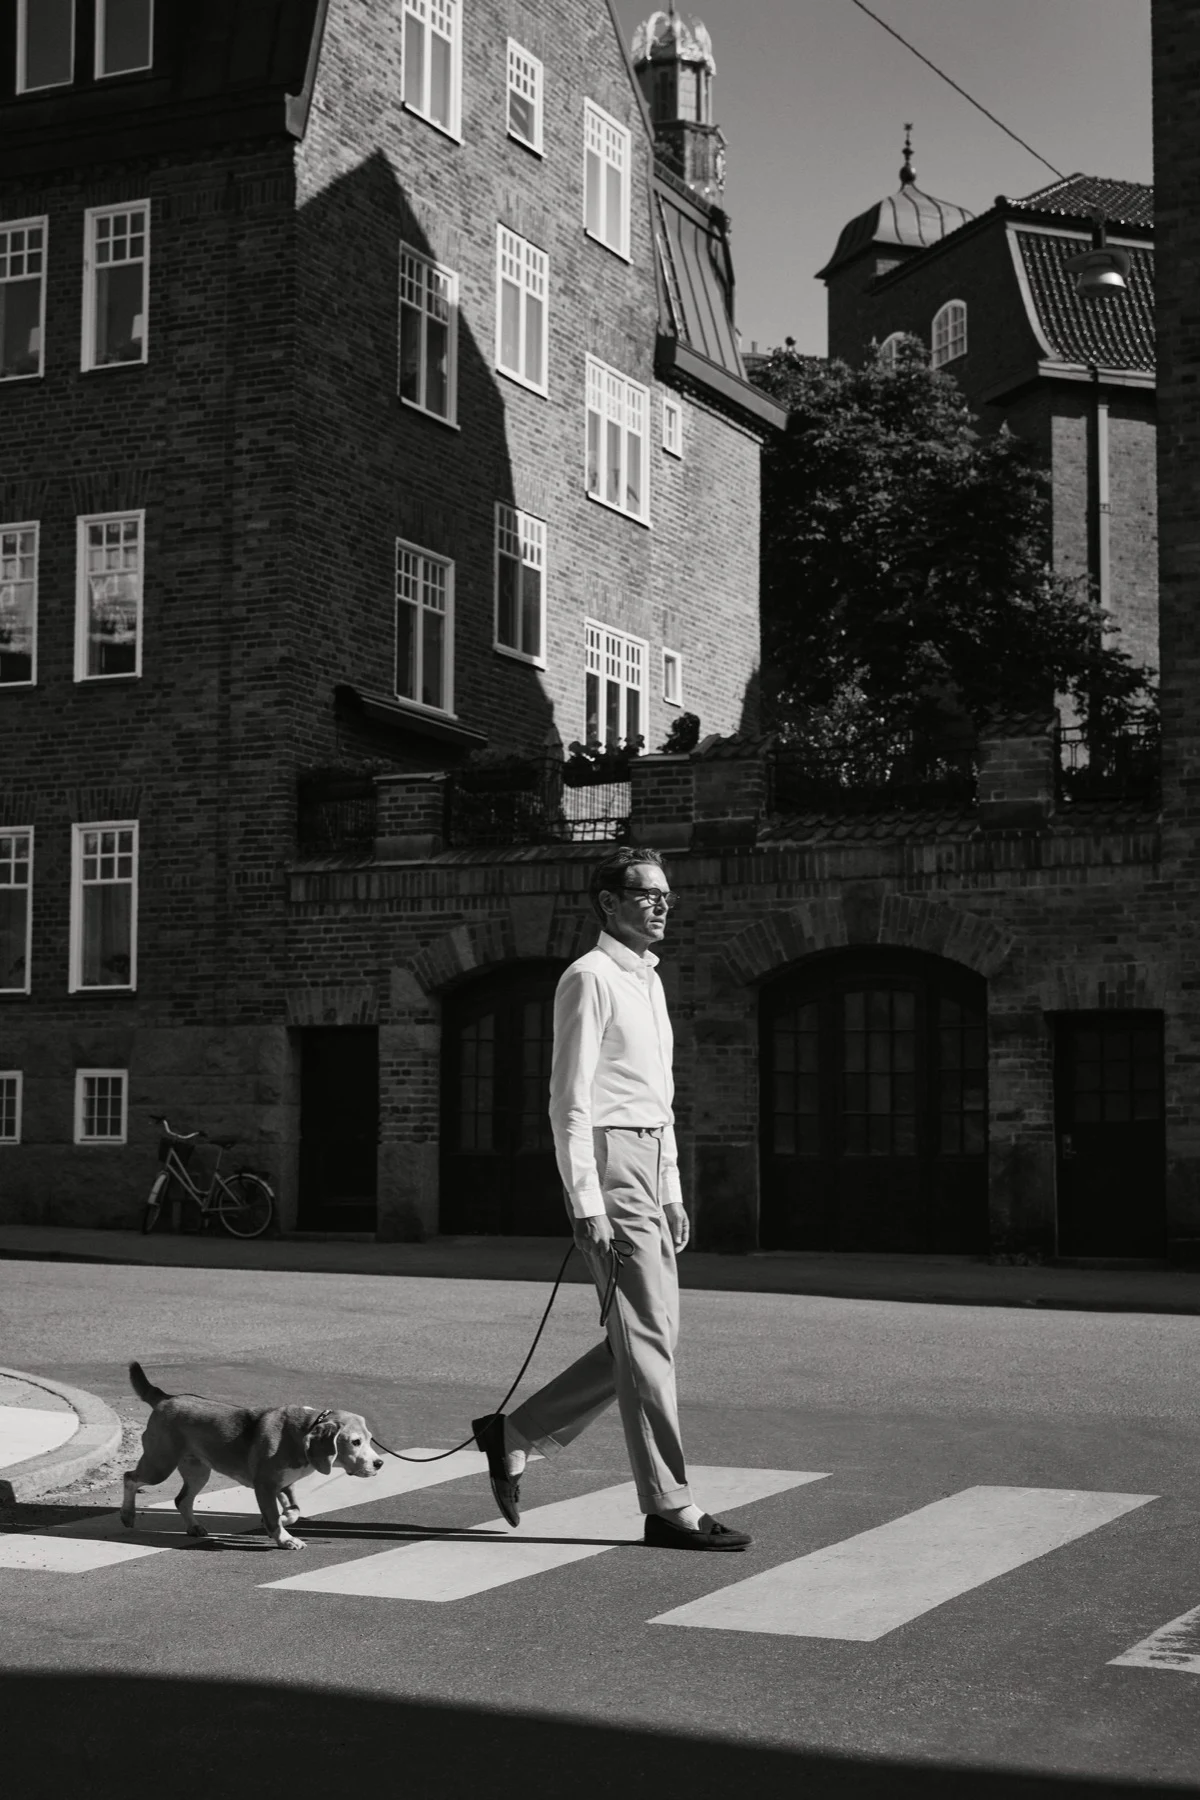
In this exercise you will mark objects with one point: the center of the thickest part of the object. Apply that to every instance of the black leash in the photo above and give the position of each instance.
(620, 1250)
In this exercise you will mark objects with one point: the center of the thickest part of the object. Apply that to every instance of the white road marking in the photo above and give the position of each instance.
(870, 1584)
(27, 1431)
(318, 1494)
(65, 1556)
(1175, 1645)
(458, 1567)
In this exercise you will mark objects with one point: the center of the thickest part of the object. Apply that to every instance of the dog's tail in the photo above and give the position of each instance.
(145, 1390)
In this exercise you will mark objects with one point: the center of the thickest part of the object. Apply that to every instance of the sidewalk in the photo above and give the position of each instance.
(49, 1435)
(960, 1280)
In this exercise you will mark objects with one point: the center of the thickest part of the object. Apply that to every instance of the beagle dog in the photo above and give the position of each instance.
(265, 1449)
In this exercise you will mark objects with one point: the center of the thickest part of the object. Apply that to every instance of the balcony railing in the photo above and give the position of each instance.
(335, 813)
(1110, 764)
(900, 772)
(534, 800)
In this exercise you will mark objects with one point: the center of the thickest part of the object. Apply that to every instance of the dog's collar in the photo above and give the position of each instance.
(322, 1418)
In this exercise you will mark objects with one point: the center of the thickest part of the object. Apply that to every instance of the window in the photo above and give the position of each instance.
(116, 267)
(672, 421)
(101, 1109)
(614, 687)
(11, 1084)
(22, 298)
(108, 621)
(617, 417)
(45, 44)
(524, 97)
(672, 691)
(16, 892)
(103, 906)
(433, 61)
(424, 628)
(949, 332)
(888, 349)
(606, 179)
(428, 335)
(18, 605)
(522, 277)
(520, 583)
(124, 36)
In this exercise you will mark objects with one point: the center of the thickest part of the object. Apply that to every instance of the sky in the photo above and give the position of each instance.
(812, 97)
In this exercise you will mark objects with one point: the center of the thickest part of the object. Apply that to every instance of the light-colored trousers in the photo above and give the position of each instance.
(636, 1365)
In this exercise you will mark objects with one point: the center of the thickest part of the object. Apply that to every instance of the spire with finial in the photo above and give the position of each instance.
(908, 175)
(673, 60)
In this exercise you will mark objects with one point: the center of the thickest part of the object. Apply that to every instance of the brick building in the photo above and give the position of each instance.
(372, 404)
(991, 299)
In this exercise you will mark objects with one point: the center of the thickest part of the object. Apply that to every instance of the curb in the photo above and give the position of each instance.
(97, 1439)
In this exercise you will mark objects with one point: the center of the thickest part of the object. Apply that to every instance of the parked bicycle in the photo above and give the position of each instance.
(244, 1203)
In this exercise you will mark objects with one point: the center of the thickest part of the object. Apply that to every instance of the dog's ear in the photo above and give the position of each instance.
(320, 1447)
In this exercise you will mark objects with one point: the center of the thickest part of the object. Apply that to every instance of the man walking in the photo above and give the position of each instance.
(611, 1090)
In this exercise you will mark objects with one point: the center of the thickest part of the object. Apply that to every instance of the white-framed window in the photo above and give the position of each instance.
(520, 584)
(949, 338)
(525, 76)
(124, 36)
(889, 348)
(428, 335)
(101, 1106)
(424, 628)
(614, 685)
(672, 677)
(18, 605)
(16, 909)
(116, 285)
(618, 413)
(606, 157)
(672, 425)
(606, 179)
(108, 606)
(433, 61)
(12, 1085)
(45, 44)
(104, 861)
(522, 291)
(22, 297)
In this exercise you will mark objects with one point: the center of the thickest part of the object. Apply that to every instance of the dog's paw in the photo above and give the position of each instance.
(129, 1521)
(196, 1531)
(291, 1515)
(291, 1543)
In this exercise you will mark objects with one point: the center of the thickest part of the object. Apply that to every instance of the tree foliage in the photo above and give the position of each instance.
(906, 577)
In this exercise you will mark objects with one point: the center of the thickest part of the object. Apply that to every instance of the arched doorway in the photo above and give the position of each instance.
(874, 1105)
(498, 1173)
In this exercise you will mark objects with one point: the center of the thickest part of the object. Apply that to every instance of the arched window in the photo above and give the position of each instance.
(949, 338)
(888, 349)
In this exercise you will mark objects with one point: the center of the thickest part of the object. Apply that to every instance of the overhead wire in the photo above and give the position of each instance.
(941, 73)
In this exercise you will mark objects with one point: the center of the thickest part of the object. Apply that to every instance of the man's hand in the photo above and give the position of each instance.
(595, 1230)
(679, 1224)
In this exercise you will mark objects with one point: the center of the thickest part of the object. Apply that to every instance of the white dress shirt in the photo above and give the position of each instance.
(612, 1066)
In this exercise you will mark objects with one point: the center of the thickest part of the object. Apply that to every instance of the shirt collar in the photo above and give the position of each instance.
(626, 958)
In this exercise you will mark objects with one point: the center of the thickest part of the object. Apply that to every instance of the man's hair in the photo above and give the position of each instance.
(609, 875)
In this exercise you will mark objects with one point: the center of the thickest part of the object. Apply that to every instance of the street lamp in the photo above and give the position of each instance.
(1102, 270)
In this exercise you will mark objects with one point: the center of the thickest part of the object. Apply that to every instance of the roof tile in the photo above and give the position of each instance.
(1117, 332)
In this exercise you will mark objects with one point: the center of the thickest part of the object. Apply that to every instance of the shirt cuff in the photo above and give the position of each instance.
(589, 1204)
(672, 1192)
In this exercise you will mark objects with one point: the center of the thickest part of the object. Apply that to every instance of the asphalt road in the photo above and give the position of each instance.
(185, 1667)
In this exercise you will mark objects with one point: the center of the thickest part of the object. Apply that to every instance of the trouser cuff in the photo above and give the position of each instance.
(669, 1500)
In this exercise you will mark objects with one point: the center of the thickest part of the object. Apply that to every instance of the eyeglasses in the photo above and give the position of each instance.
(654, 897)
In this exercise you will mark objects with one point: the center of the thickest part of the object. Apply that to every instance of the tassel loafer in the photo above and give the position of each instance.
(710, 1534)
(488, 1433)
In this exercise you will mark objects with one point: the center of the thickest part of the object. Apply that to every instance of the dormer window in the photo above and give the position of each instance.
(949, 340)
(45, 44)
(124, 36)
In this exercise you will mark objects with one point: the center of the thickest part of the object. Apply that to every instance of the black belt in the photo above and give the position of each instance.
(642, 1130)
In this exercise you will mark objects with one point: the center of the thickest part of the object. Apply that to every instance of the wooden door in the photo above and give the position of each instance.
(874, 1120)
(1110, 1132)
(498, 1172)
(339, 1127)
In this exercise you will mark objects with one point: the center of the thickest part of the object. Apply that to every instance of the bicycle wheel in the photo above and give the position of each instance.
(154, 1203)
(255, 1206)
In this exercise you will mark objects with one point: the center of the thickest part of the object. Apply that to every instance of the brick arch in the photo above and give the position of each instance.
(527, 927)
(897, 921)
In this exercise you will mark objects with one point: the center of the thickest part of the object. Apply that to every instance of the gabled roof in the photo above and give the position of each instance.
(1129, 203)
(696, 335)
(1114, 333)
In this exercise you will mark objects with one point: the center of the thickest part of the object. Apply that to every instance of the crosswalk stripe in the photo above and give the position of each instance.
(548, 1537)
(868, 1585)
(1175, 1645)
(50, 1555)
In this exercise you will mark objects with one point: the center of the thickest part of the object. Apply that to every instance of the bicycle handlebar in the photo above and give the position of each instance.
(182, 1137)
